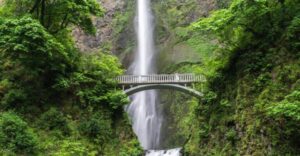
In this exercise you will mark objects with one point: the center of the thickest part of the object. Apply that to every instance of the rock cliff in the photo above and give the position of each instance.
(104, 25)
(115, 31)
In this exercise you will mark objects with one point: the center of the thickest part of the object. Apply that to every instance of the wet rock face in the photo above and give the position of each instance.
(105, 29)
(90, 43)
(172, 18)
(117, 36)
(206, 6)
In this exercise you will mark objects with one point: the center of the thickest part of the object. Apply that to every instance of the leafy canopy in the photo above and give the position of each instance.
(31, 59)
(56, 15)
(288, 108)
(15, 134)
(246, 22)
(56, 88)
(24, 42)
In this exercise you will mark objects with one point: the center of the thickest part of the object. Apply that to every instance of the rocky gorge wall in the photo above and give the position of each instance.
(115, 31)
(104, 27)
(178, 48)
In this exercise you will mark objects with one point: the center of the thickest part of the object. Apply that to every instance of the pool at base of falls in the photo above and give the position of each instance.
(171, 152)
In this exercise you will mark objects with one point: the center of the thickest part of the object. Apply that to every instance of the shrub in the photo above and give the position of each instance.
(73, 148)
(97, 128)
(289, 108)
(55, 120)
(15, 134)
(117, 99)
(131, 148)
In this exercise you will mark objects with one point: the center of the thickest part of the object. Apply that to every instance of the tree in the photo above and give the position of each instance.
(32, 61)
(94, 83)
(251, 22)
(57, 15)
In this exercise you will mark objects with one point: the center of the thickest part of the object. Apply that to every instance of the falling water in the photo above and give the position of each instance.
(146, 118)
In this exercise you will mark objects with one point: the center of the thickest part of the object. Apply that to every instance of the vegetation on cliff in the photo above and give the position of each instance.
(53, 99)
(252, 96)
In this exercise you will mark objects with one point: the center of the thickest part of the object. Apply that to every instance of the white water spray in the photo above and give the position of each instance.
(171, 152)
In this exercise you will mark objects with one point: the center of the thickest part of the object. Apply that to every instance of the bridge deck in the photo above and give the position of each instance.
(160, 79)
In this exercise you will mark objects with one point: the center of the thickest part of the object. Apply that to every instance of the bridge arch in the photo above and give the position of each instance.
(177, 87)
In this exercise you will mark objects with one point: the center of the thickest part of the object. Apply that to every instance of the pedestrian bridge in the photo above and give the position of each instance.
(132, 84)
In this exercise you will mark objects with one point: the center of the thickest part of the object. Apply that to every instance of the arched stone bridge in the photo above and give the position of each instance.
(132, 84)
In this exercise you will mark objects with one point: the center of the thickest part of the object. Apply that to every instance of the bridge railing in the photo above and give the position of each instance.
(160, 78)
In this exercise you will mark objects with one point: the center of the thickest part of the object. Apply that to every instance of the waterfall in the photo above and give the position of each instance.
(146, 118)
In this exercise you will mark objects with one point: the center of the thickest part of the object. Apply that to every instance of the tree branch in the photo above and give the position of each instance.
(35, 6)
(43, 11)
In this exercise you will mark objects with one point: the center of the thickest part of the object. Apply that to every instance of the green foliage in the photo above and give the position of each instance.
(245, 20)
(29, 55)
(12, 97)
(289, 108)
(117, 99)
(210, 97)
(54, 120)
(58, 15)
(121, 20)
(103, 66)
(74, 148)
(94, 84)
(24, 42)
(98, 129)
(132, 148)
(70, 99)
(251, 105)
(175, 13)
(16, 135)
(217, 21)
(231, 135)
